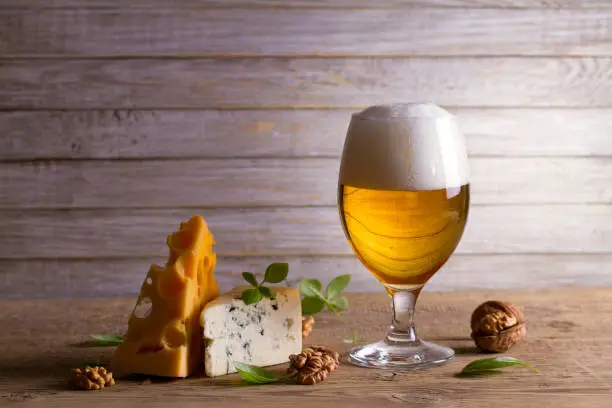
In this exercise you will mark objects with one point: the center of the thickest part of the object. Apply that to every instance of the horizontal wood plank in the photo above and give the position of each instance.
(305, 82)
(501, 229)
(61, 278)
(282, 133)
(273, 182)
(333, 4)
(382, 32)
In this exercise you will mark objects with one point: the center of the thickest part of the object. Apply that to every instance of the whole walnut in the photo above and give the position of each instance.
(497, 326)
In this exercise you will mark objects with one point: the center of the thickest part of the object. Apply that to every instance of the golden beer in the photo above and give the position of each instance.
(403, 237)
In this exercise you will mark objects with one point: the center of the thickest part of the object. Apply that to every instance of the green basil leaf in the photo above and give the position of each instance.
(494, 363)
(105, 340)
(251, 296)
(254, 374)
(276, 272)
(312, 305)
(340, 304)
(266, 292)
(311, 288)
(337, 285)
(249, 277)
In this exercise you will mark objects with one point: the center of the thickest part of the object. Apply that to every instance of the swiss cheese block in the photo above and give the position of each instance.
(164, 336)
(261, 334)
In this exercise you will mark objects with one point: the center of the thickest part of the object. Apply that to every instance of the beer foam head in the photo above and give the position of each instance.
(404, 147)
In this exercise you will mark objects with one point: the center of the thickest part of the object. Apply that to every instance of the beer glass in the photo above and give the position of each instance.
(403, 198)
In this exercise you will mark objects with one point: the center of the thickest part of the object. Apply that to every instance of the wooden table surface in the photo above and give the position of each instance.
(569, 338)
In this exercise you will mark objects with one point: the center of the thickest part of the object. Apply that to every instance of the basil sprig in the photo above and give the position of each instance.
(275, 273)
(315, 300)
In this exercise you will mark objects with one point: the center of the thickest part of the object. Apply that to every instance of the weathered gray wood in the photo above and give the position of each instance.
(502, 229)
(268, 182)
(62, 278)
(383, 32)
(305, 82)
(333, 4)
(282, 133)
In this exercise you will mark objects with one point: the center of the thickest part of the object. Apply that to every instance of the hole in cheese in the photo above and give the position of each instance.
(175, 335)
(143, 308)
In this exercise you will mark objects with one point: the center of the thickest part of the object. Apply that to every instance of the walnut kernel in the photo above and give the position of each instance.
(307, 325)
(92, 378)
(313, 364)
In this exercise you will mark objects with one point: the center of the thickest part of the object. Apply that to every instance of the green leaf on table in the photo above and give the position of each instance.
(492, 364)
(337, 285)
(340, 304)
(249, 277)
(255, 375)
(354, 340)
(105, 340)
(251, 296)
(276, 272)
(266, 292)
(311, 288)
(312, 305)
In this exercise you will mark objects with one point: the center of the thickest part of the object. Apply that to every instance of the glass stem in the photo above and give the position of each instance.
(402, 326)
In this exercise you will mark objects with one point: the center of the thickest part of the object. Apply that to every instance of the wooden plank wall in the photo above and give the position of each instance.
(120, 119)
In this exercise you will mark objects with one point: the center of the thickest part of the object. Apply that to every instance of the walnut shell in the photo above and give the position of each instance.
(497, 326)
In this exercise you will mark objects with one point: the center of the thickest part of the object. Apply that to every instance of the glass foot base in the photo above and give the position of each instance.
(414, 356)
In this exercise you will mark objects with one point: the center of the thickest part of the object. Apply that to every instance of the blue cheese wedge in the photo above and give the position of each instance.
(261, 334)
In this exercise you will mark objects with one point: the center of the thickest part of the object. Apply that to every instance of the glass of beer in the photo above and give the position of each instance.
(403, 198)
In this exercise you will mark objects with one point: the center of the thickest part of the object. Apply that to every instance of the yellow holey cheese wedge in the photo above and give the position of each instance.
(163, 337)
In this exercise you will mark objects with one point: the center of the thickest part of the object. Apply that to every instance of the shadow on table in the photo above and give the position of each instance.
(471, 350)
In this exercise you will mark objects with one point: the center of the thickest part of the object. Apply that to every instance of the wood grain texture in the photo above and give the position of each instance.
(86, 278)
(501, 229)
(330, 32)
(305, 82)
(273, 182)
(38, 351)
(282, 133)
(317, 4)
